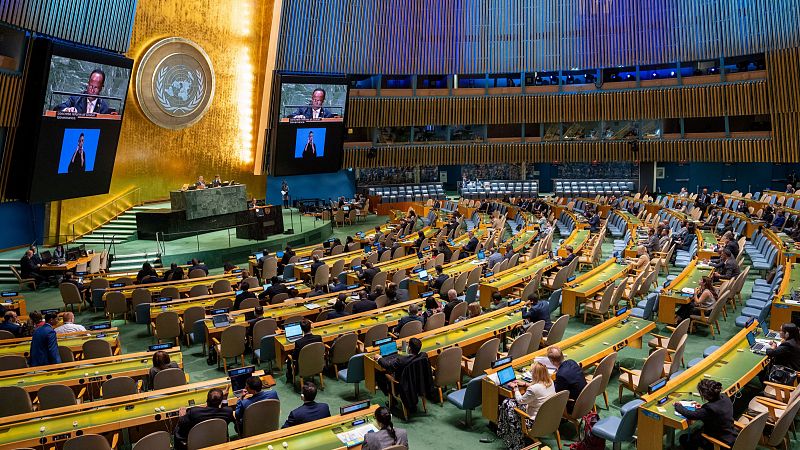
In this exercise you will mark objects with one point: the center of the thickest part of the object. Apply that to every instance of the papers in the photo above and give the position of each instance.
(690, 405)
(311, 305)
(355, 436)
(688, 291)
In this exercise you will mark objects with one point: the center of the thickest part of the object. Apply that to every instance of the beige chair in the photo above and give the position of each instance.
(778, 437)
(227, 303)
(66, 354)
(191, 315)
(585, 401)
(448, 284)
(460, 310)
(379, 280)
(263, 327)
(750, 432)
(231, 344)
(637, 381)
(671, 342)
(23, 281)
(536, 330)
(12, 362)
(261, 417)
(382, 300)
(159, 440)
(344, 347)
(519, 347)
(487, 354)
(168, 378)
(94, 263)
(292, 319)
(279, 298)
(171, 292)
(269, 269)
(15, 401)
(322, 276)
(197, 273)
(207, 434)
(461, 282)
(385, 257)
(674, 358)
(71, 295)
(410, 329)
(167, 327)
(249, 303)
(96, 348)
(556, 332)
(139, 296)
(599, 308)
(251, 281)
(55, 396)
(374, 333)
(116, 303)
(448, 370)
(6, 335)
(337, 267)
(435, 321)
(126, 281)
(311, 362)
(709, 317)
(220, 287)
(99, 283)
(119, 387)
(337, 250)
(547, 419)
(604, 368)
(88, 442)
(198, 290)
(339, 219)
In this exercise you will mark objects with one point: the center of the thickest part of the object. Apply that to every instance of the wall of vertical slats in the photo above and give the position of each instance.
(496, 36)
(104, 24)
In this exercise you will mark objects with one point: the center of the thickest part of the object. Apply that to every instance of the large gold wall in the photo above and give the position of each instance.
(235, 34)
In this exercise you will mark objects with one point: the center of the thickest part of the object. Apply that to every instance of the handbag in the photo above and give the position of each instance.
(782, 375)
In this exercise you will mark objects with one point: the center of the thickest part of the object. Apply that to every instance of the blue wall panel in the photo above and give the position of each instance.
(22, 224)
(324, 186)
(745, 177)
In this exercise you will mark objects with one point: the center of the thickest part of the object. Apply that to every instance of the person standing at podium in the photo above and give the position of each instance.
(201, 183)
(285, 193)
(217, 181)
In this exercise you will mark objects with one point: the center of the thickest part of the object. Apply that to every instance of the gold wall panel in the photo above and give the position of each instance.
(159, 160)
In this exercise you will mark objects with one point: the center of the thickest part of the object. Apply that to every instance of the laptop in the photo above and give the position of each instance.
(388, 349)
(220, 320)
(279, 254)
(481, 255)
(258, 255)
(759, 348)
(345, 208)
(239, 378)
(367, 248)
(249, 315)
(423, 275)
(505, 376)
(293, 331)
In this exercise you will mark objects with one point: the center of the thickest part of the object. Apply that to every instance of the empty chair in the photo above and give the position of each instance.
(88, 442)
(447, 371)
(379, 331)
(467, 398)
(410, 328)
(637, 381)
(70, 295)
(548, 418)
(231, 344)
(96, 348)
(674, 359)
(15, 401)
(168, 378)
(116, 303)
(621, 429)
(11, 362)
(279, 298)
(261, 417)
(66, 354)
(198, 290)
(556, 332)
(207, 433)
(311, 362)
(435, 321)
(159, 440)
(197, 273)
(520, 346)
(473, 367)
(119, 386)
(191, 315)
(140, 296)
(220, 287)
(55, 396)
(343, 348)
(6, 335)
(536, 330)
(171, 292)
(167, 327)
(604, 368)
(354, 373)
(585, 401)
(249, 303)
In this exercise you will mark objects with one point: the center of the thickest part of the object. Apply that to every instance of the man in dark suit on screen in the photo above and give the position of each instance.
(86, 104)
(315, 110)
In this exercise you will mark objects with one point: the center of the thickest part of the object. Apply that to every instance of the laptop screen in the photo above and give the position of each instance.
(389, 348)
(423, 275)
(220, 320)
(506, 375)
(751, 339)
(258, 255)
(239, 377)
(293, 330)
(481, 255)
(279, 254)
(354, 407)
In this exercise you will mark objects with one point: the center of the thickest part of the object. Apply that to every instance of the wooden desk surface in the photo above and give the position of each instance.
(69, 265)
(22, 346)
(782, 310)
(514, 276)
(591, 283)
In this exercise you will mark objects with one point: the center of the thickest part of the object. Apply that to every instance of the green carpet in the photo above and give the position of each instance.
(439, 428)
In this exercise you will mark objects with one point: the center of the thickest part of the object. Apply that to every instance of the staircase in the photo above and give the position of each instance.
(120, 229)
(133, 262)
(6, 277)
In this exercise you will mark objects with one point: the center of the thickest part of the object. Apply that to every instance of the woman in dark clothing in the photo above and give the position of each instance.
(716, 415)
(787, 353)
(161, 362)
(147, 271)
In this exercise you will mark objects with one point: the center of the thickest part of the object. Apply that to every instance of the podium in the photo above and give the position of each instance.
(209, 202)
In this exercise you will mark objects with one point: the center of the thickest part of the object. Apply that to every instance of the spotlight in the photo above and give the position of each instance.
(553, 79)
(614, 77)
(712, 70)
(672, 74)
(655, 75)
(570, 80)
(629, 77)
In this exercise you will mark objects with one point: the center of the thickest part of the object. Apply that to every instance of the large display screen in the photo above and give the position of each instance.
(72, 115)
(309, 124)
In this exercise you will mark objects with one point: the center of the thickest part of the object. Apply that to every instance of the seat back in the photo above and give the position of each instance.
(168, 325)
(604, 368)
(168, 378)
(70, 294)
(435, 321)
(681, 330)
(279, 298)
(263, 328)
(191, 315)
(261, 417)
(461, 282)
(520, 346)
(159, 440)
(171, 292)
(585, 401)
(119, 386)
(198, 290)
(139, 296)
(115, 301)
(410, 329)
(536, 330)
(312, 359)
(233, 341)
(197, 273)
(207, 433)
(549, 416)
(249, 303)
(221, 286)
(557, 330)
(87, 442)
(472, 395)
(15, 401)
(96, 348)
(322, 275)
(652, 369)
(485, 356)
(781, 427)
(12, 362)
(554, 300)
(269, 268)
(677, 356)
(343, 348)
(448, 367)
(55, 396)
(379, 280)
(379, 331)
(66, 354)
(627, 425)
(355, 369)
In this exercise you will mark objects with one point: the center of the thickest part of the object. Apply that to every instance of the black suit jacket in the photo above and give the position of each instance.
(717, 417)
(315, 266)
(439, 281)
(369, 274)
(198, 414)
(364, 305)
(79, 102)
(569, 377)
(310, 150)
(566, 260)
(239, 298)
(448, 308)
(471, 245)
(308, 113)
(274, 290)
(302, 342)
(27, 267)
(307, 412)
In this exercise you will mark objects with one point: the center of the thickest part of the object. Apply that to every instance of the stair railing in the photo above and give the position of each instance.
(104, 213)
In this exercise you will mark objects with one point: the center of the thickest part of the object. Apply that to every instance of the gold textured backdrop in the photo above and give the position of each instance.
(234, 33)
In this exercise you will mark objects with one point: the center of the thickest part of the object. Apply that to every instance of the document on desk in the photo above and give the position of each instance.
(355, 436)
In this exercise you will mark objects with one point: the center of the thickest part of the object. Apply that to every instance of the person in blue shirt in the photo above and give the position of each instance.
(44, 344)
(252, 393)
(594, 223)
(536, 311)
(780, 219)
(10, 324)
(310, 410)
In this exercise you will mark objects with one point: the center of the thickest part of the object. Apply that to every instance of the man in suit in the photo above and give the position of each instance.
(452, 301)
(253, 392)
(395, 364)
(413, 314)
(198, 265)
(569, 376)
(29, 268)
(470, 246)
(44, 343)
(10, 324)
(441, 277)
(310, 150)
(245, 288)
(652, 244)
(310, 410)
(363, 304)
(594, 223)
(316, 264)
(189, 417)
(276, 288)
(727, 267)
(200, 183)
(87, 104)
(369, 273)
(307, 338)
(567, 259)
(493, 259)
(315, 110)
(536, 311)
(288, 254)
(217, 181)
(445, 250)
(702, 201)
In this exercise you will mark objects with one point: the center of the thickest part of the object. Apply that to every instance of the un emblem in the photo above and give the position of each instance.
(174, 83)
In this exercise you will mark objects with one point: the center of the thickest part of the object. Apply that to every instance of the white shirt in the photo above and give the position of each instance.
(90, 105)
(69, 327)
(533, 397)
(315, 113)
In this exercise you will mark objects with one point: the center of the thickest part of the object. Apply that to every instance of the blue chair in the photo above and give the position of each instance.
(143, 314)
(198, 333)
(706, 352)
(555, 300)
(467, 398)
(266, 350)
(288, 271)
(354, 373)
(619, 429)
(644, 309)
(471, 294)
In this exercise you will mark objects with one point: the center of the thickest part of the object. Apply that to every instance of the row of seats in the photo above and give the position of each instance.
(565, 224)
(790, 201)
(682, 257)
(760, 302)
(761, 251)
(408, 192)
(738, 223)
(616, 225)
(496, 189)
(590, 188)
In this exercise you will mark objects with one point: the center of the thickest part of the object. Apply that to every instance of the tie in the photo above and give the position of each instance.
(89, 107)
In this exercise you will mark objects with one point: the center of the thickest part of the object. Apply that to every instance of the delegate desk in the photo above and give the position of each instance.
(356, 323)
(416, 286)
(183, 286)
(303, 269)
(74, 341)
(577, 239)
(460, 241)
(406, 263)
(14, 301)
(680, 290)
(84, 373)
(181, 305)
(201, 203)
(705, 245)
(320, 434)
(410, 239)
(733, 365)
(520, 239)
(66, 266)
(45, 428)
(468, 334)
(591, 283)
(783, 308)
(504, 281)
(586, 348)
